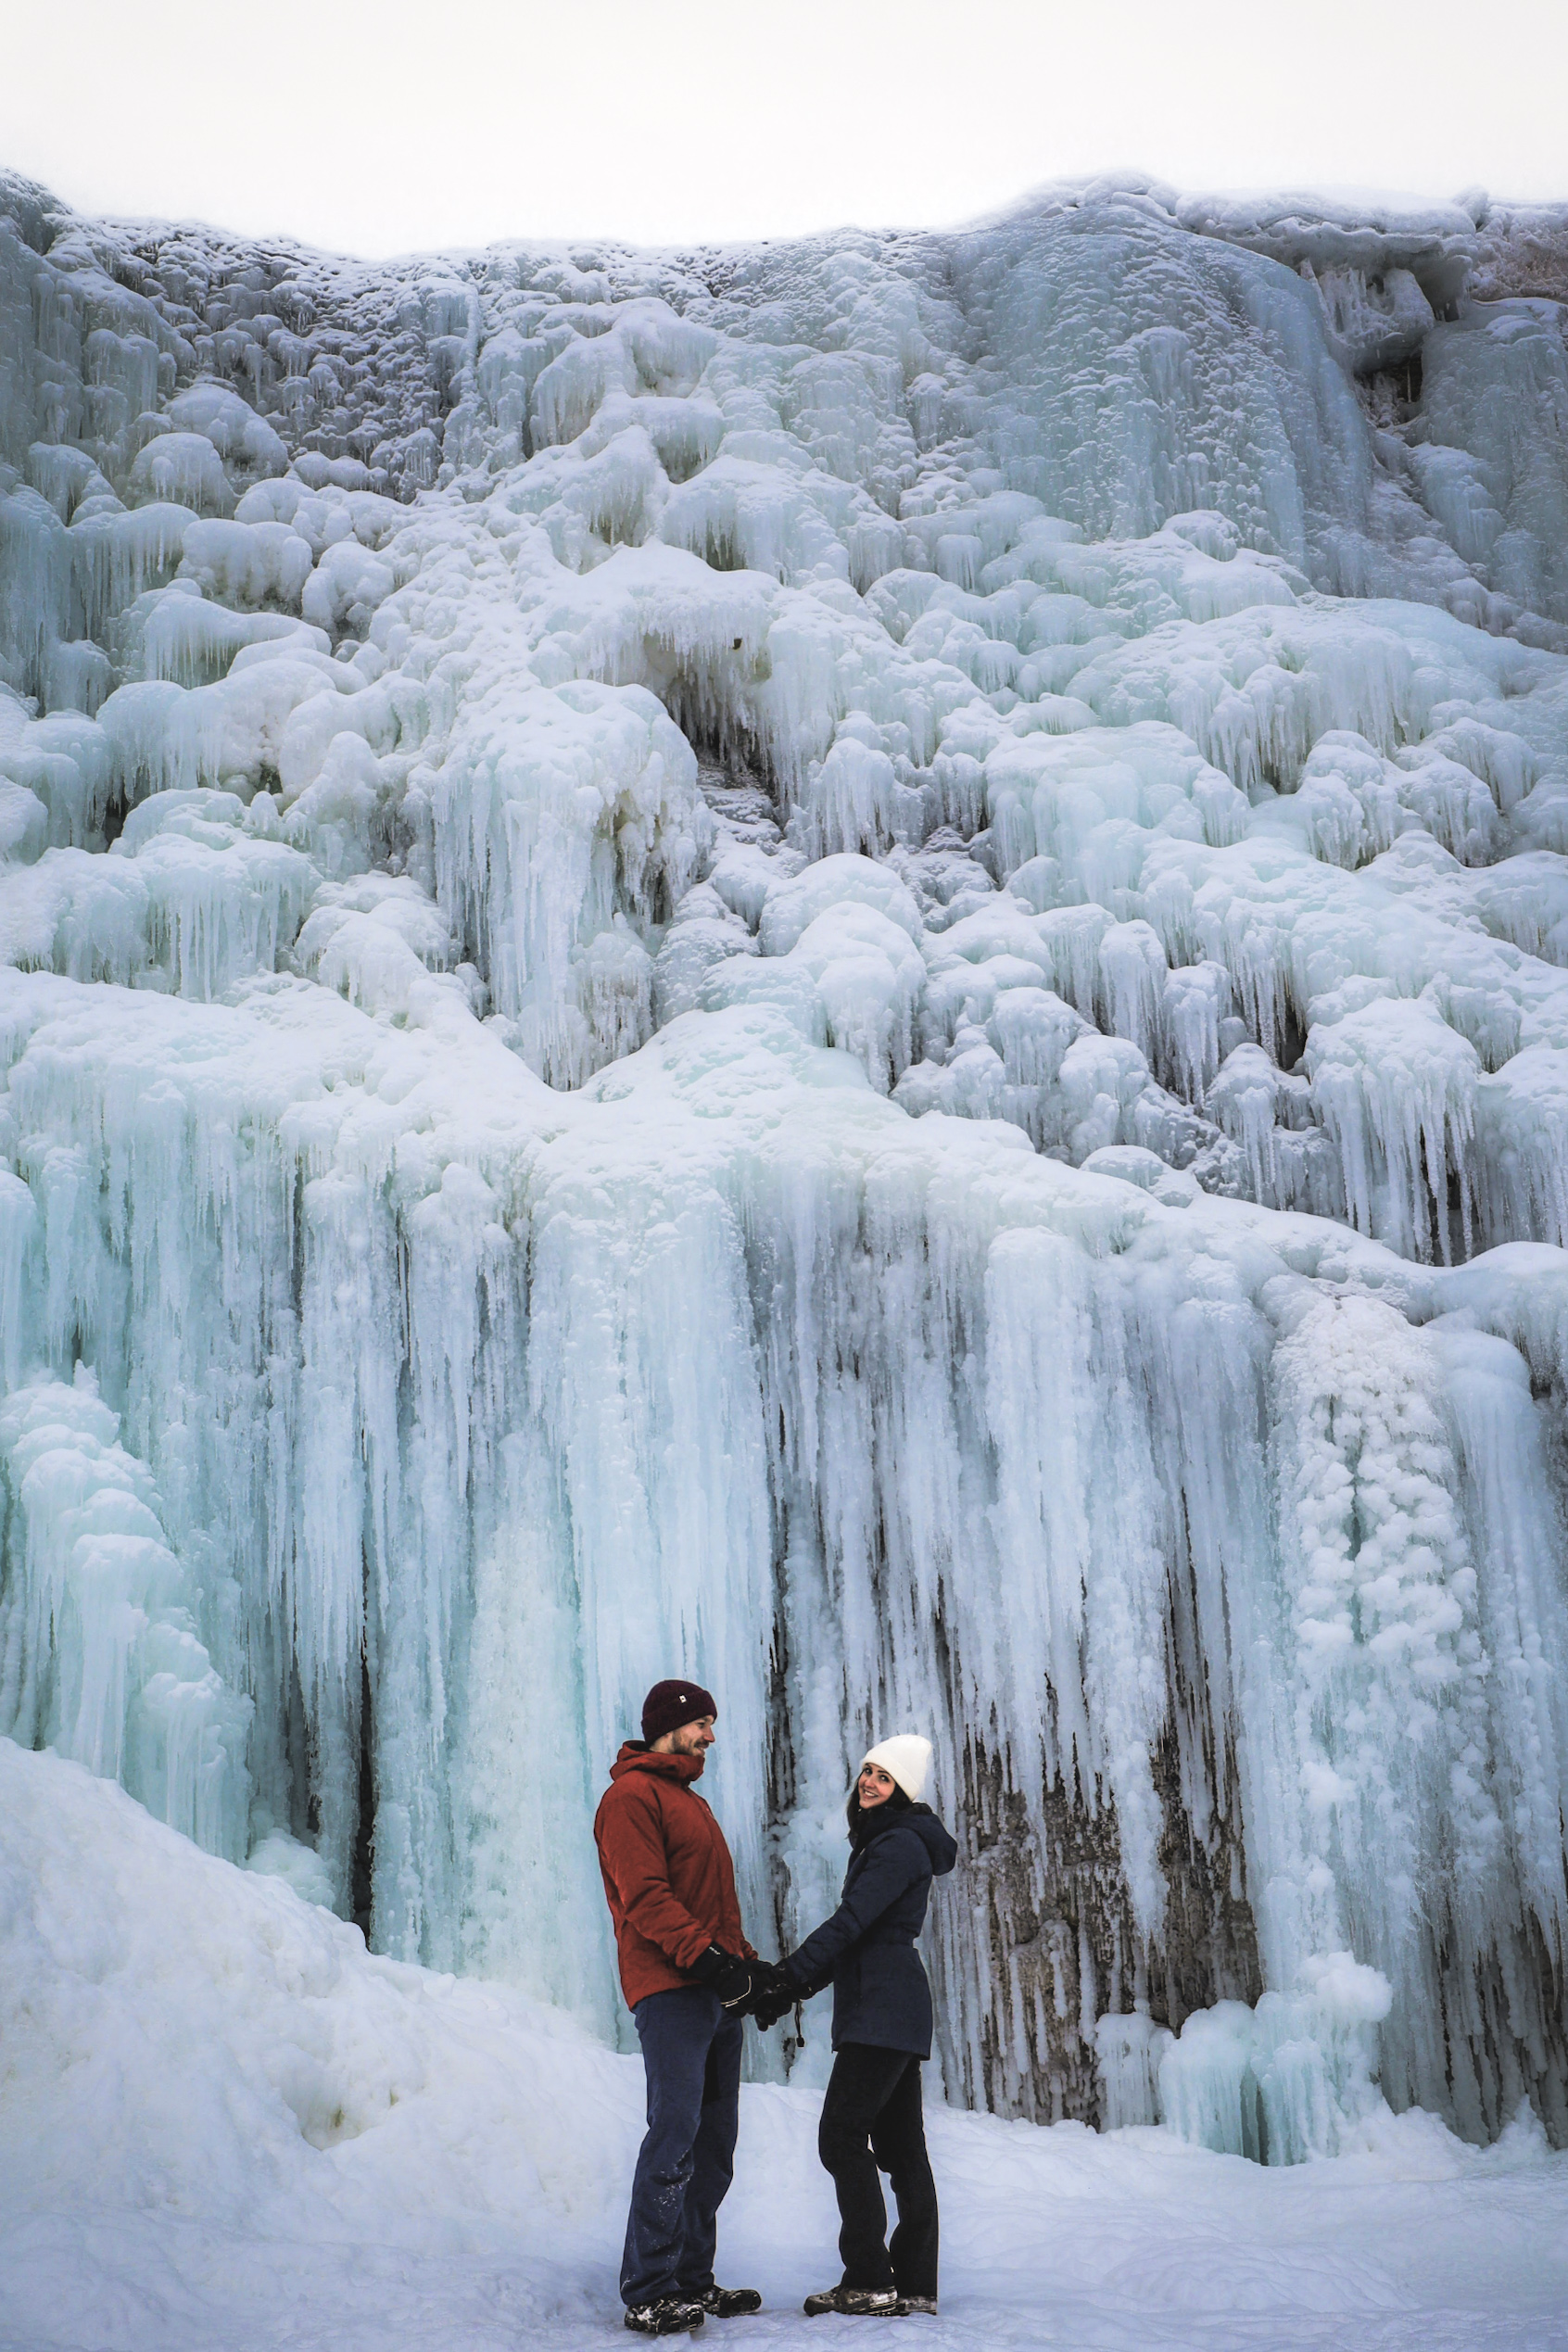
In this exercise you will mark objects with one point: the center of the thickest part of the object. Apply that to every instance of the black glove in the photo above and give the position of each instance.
(723, 1973)
(776, 2001)
(766, 1980)
(775, 1997)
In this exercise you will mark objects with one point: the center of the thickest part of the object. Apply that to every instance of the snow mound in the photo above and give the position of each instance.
(223, 2120)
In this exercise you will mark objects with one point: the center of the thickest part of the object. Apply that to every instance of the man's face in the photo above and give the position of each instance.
(691, 1740)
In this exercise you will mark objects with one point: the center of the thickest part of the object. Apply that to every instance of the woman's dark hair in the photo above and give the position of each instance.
(894, 1801)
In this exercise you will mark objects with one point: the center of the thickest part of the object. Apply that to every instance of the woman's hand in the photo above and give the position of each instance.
(772, 2005)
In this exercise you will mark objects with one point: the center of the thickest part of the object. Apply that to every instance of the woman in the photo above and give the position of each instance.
(871, 2116)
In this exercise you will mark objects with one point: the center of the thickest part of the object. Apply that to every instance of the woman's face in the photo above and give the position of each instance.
(875, 1787)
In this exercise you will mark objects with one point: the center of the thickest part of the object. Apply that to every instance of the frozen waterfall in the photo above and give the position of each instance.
(836, 964)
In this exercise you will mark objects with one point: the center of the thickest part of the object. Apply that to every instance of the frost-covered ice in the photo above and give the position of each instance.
(225, 2123)
(845, 961)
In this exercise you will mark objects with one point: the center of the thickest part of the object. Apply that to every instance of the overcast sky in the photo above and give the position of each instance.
(382, 126)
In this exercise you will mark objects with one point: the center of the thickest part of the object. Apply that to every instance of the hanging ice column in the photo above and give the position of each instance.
(1269, 1690)
(418, 1123)
(99, 1656)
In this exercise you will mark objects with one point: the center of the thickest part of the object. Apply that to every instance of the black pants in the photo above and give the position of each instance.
(871, 2122)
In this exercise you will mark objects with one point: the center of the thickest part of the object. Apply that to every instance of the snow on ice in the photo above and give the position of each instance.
(837, 961)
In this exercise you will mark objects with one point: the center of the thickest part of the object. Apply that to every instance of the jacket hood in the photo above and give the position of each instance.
(636, 1756)
(942, 1848)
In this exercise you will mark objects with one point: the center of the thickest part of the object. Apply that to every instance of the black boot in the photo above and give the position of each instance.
(854, 2302)
(728, 2302)
(671, 2315)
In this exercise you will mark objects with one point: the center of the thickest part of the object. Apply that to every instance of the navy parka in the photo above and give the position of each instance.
(867, 1950)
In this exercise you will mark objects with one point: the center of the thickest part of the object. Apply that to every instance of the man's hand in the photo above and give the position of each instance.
(767, 1978)
(723, 1973)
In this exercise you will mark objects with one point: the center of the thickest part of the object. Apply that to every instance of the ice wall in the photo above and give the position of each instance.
(841, 962)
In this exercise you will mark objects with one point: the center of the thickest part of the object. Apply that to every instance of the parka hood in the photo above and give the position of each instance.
(937, 1842)
(636, 1756)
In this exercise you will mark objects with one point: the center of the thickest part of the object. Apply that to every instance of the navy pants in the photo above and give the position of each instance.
(691, 2053)
(872, 2122)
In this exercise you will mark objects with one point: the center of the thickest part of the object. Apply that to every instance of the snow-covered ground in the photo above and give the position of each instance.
(225, 2125)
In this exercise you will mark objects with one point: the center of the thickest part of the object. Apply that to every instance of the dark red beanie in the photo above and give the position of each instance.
(669, 1704)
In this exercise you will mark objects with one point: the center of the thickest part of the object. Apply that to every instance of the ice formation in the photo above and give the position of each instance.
(837, 963)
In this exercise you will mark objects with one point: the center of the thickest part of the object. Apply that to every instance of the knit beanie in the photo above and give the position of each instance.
(670, 1704)
(906, 1760)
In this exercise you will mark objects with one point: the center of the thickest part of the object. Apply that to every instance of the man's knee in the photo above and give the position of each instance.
(674, 2121)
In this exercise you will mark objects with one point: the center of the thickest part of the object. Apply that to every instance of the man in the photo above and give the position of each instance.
(687, 1973)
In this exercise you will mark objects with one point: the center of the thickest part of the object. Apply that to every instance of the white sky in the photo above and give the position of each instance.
(380, 126)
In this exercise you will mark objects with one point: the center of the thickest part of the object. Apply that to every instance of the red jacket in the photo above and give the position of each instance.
(668, 1878)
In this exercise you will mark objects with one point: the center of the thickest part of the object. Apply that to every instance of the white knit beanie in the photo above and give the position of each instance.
(905, 1758)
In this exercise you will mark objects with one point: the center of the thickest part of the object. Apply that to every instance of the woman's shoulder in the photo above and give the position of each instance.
(902, 1837)
(919, 1829)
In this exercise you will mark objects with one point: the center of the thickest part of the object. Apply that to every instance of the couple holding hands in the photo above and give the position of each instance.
(690, 1977)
